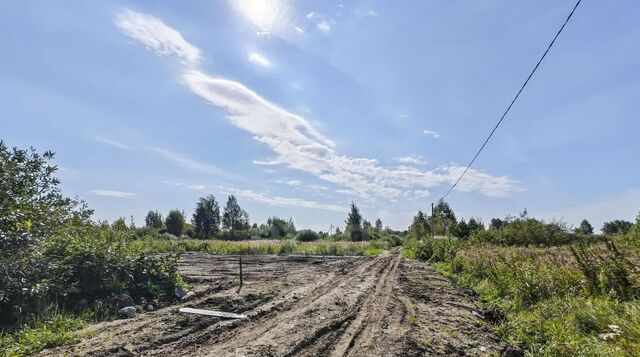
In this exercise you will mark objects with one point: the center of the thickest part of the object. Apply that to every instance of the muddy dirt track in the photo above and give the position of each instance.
(304, 306)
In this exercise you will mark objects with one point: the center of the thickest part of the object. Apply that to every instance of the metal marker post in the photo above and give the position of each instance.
(240, 263)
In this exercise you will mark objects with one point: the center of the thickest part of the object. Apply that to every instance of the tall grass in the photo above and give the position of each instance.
(264, 247)
(561, 300)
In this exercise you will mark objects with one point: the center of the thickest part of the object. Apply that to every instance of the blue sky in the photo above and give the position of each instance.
(299, 108)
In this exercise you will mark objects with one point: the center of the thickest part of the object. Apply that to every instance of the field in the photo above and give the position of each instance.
(303, 305)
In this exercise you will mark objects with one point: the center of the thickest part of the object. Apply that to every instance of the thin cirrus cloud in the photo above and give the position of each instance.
(297, 144)
(272, 200)
(111, 142)
(411, 159)
(191, 164)
(432, 133)
(260, 60)
(112, 193)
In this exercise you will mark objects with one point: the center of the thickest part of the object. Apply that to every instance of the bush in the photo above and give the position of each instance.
(307, 235)
(530, 231)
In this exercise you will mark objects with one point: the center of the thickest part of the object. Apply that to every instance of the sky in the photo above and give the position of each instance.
(299, 108)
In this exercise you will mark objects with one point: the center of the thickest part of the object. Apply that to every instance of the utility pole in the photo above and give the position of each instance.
(433, 222)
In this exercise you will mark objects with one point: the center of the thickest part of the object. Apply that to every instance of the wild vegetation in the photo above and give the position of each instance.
(555, 291)
(60, 269)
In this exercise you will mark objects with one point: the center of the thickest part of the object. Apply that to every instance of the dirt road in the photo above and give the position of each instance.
(304, 306)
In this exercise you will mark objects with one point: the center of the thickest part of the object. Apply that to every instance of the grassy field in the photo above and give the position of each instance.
(566, 300)
(264, 247)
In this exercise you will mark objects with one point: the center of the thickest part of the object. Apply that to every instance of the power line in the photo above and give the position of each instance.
(513, 101)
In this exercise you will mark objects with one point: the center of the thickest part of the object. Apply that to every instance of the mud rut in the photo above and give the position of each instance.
(304, 306)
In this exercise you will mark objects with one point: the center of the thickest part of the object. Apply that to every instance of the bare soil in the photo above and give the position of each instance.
(304, 306)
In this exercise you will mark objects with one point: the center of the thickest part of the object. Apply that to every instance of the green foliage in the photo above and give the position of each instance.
(616, 227)
(175, 222)
(354, 226)
(307, 235)
(607, 272)
(443, 218)
(234, 217)
(154, 220)
(39, 333)
(278, 228)
(432, 250)
(558, 300)
(584, 228)
(206, 219)
(529, 231)
(31, 204)
(378, 224)
(284, 246)
(420, 227)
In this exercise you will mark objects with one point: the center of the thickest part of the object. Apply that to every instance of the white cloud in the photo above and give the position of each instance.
(411, 159)
(111, 142)
(322, 22)
(157, 36)
(294, 183)
(324, 26)
(281, 201)
(435, 134)
(259, 59)
(112, 193)
(192, 164)
(298, 145)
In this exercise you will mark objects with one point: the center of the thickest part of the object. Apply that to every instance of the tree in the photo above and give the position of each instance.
(378, 224)
(585, 227)
(234, 217)
(616, 227)
(420, 227)
(206, 219)
(462, 229)
(277, 227)
(443, 217)
(119, 224)
(475, 225)
(153, 220)
(32, 206)
(175, 222)
(32, 210)
(496, 223)
(354, 224)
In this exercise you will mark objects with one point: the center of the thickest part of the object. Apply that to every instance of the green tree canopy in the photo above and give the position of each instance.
(378, 224)
(585, 227)
(354, 224)
(175, 222)
(206, 219)
(234, 217)
(32, 206)
(153, 220)
(616, 227)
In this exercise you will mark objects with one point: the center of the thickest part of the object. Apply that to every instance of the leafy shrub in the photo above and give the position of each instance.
(433, 250)
(530, 231)
(307, 235)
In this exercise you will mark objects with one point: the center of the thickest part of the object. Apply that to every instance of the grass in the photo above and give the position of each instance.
(39, 333)
(548, 297)
(265, 247)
